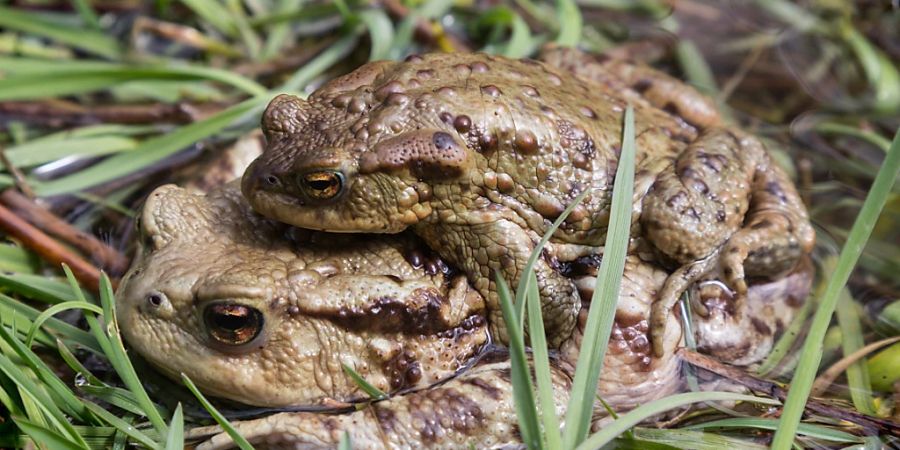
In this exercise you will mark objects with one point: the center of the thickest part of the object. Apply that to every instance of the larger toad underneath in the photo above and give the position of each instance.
(253, 312)
(478, 155)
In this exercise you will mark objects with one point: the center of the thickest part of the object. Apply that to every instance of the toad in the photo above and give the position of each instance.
(263, 314)
(266, 315)
(479, 154)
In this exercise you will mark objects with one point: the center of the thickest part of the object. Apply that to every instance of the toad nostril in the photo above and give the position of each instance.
(271, 180)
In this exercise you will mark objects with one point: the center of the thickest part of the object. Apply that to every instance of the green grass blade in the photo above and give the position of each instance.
(216, 415)
(381, 32)
(12, 319)
(880, 70)
(523, 392)
(857, 374)
(521, 289)
(93, 42)
(251, 40)
(36, 287)
(70, 333)
(78, 80)
(812, 349)
(14, 258)
(76, 366)
(34, 153)
(606, 295)
(320, 63)
(644, 412)
(121, 398)
(148, 151)
(345, 443)
(56, 309)
(111, 342)
(668, 438)
(211, 12)
(552, 436)
(520, 43)
(784, 344)
(279, 32)
(47, 437)
(765, 423)
(122, 425)
(60, 392)
(88, 16)
(696, 68)
(175, 439)
(371, 391)
(42, 400)
(570, 23)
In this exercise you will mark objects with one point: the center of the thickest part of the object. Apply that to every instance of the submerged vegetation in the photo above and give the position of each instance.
(101, 101)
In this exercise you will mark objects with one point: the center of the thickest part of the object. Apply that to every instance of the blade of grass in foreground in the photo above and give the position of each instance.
(606, 295)
(345, 443)
(46, 436)
(239, 440)
(111, 342)
(643, 412)
(523, 394)
(764, 423)
(552, 437)
(858, 380)
(811, 355)
(371, 391)
(175, 439)
(121, 425)
(522, 287)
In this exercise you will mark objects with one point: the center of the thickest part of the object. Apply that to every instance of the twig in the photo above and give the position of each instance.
(105, 256)
(18, 176)
(871, 425)
(58, 113)
(181, 34)
(48, 249)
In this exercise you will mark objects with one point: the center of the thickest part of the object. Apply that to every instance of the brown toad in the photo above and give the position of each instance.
(255, 313)
(478, 154)
(259, 313)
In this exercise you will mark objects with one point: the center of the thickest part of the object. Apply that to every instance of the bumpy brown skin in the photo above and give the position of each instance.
(473, 410)
(478, 155)
(317, 294)
(333, 300)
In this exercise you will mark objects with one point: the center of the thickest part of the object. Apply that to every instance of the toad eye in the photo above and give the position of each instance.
(232, 324)
(322, 184)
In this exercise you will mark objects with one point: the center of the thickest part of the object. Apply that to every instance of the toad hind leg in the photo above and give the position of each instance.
(502, 246)
(723, 203)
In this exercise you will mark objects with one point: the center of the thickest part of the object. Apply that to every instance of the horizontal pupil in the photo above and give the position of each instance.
(321, 184)
(231, 322)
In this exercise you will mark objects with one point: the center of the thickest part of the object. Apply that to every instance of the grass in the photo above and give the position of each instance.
(820, 57)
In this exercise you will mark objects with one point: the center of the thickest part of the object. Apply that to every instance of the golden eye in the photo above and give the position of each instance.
(232, 324)
(322, 185)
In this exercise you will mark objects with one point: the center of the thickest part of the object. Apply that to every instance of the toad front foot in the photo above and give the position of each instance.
(723, 205)
(502, 246)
